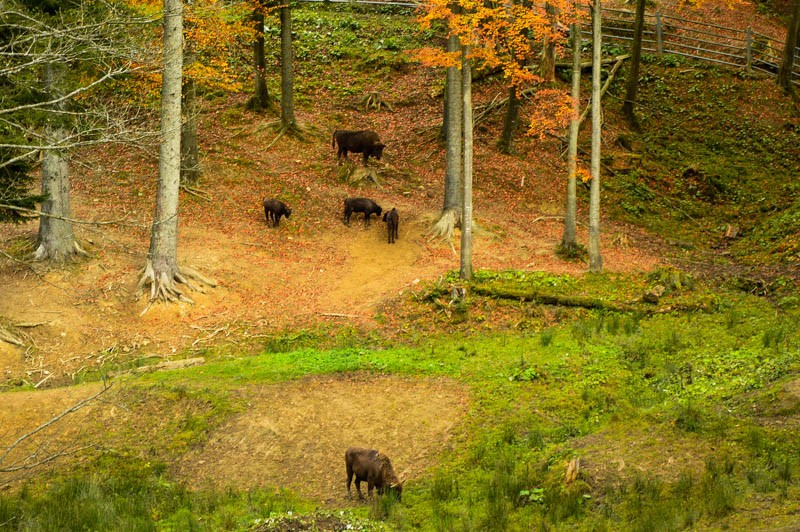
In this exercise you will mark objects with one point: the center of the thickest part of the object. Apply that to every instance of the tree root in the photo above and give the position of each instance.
(9, 335)
(373, 100)
(197, 192)
(446, 224)
(164, 285)
(42, 253)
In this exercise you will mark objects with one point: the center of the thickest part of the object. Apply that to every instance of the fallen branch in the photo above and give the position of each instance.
(32, 433)
(337, 315)
(603, 90)
(545, 298)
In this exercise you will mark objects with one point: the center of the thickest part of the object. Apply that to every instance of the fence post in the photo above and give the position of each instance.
(659, 40)
(748, 52)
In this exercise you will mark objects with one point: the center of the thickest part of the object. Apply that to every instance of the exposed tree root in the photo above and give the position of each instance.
(42, 253)
(10, 335)
(294, 130)
(164, 285)
(446, 224)
(197, 192)
(374, 101)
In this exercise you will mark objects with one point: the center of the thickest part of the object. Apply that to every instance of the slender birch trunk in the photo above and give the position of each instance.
(595, 259)
(466, 221)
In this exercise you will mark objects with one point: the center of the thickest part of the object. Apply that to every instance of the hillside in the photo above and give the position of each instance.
(319, 335)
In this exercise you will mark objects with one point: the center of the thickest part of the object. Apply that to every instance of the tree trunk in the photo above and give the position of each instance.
(287, 76)
(260, 100)
(453, 117)
(466, 221)
(162, 272)
(548, 67)
(510, 122)
(632, 84)
(190, 160)
(595, 259)
(56, 240)
(792, 41)
(569, 240)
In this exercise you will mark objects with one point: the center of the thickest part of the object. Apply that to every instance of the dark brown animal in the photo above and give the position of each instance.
(374, 468)
(367, 206)
(392, 220)
(365, 142)
(274, 209)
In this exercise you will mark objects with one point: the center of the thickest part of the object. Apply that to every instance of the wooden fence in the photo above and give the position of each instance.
(668, 34)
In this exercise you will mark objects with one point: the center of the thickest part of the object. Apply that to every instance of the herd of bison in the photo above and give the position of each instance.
(369, 145)
(363, 465)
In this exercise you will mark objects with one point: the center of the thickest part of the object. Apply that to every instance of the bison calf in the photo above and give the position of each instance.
(365, 142)
(367, 206)
(392, 220)
(274, 209)
(372, 467)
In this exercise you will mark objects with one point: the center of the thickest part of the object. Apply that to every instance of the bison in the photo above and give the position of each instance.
(274, 209)
(365, 142)
(373, 467)
(392, 220)
(367, 206)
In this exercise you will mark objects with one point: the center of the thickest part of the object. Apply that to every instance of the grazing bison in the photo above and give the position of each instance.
(274, 209)
(373, 467)
(365, 142)
(392, 220)
(367, 206)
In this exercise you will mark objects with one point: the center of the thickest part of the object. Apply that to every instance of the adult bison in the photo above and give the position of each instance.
(365, 205)
(365, 142)
(372, 467)
(274, 209)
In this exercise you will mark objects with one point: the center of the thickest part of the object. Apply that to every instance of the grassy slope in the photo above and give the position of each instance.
(681, 418)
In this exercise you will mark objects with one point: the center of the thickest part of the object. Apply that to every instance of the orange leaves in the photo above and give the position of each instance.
(552, 112)
(500, 35)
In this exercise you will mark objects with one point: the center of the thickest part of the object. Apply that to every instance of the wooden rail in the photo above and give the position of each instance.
(670, 34)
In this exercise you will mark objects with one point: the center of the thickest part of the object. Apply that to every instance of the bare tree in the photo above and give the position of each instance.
(792, 41)
(162, 273)
(46, 37)
(595, 259)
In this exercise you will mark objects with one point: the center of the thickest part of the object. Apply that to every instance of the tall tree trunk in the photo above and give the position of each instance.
(466, 218)
(792, 41)
(453, 118)
(595, 259)
(569, 240)
(510, 122)
(260, 100)
(548, 67)
(56, 241)
(190, 160)
(632, 84)
(287, 76)
(162, 272)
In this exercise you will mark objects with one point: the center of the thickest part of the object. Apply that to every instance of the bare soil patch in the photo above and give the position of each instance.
(294, 435)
